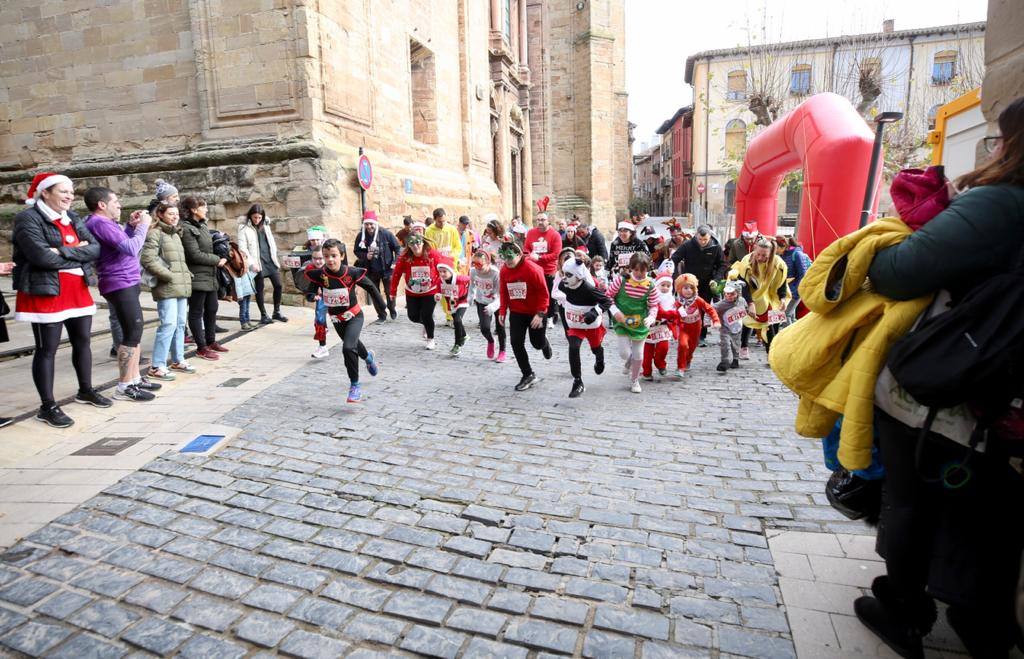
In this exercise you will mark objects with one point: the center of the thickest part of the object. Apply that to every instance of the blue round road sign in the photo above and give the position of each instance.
(365, 173)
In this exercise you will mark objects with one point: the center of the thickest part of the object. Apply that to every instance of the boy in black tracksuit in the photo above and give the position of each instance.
(584, 306)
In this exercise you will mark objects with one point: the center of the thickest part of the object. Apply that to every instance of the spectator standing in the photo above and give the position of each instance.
(797, 263)
(203, 264)
(163, 256)
(405, 230)
(5, 269)
(256, 241)
(468, 241)
(542, 246)
(376, 250)
(596, 245)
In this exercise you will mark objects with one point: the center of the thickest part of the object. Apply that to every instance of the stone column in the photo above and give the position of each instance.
(523, 53)
(526, 158)
(504, 165)
(495, 16)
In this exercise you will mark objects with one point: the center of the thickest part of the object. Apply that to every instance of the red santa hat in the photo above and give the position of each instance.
(663, 278)
(446, 263)
(370, 217)
(42, 181)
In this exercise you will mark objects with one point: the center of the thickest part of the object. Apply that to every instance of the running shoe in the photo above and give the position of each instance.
(456, 349)
(383, 320)
(490, 350)
(189, 340)
(501, 357)
(355, 394)
(92, 397)
(703, 343)
(148, 385)
(265, 320)
(431, 344)
(5, 421)
(371, 363)
(680, 374)
(526, 382)
(648, 378)
(722, 367)
(662, 372)
(744, 353)
(321, 352)
(160, 374)
(599, 363)
(546, 350)
(218, 347)
(219, 330)
(247, 327)
(394, 315)
(133, 393)
(635, 387)
(54, 416)
(577, 388)
(735, 364)
(183, 366)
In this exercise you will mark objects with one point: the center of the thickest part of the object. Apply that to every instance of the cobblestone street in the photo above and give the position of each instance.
(446, 515)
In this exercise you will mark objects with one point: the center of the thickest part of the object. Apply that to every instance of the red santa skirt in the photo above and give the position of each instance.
(73, 301)
(592, 336)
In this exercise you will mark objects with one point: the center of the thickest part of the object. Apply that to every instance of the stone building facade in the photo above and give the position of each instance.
(245, 101)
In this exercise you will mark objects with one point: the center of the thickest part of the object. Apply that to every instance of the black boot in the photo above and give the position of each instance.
(900, 623)
(577, 388)
(722, 367)
(735, 364)
(599, 360)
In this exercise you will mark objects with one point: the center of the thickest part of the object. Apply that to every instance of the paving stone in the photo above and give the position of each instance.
(271, 598)
(172, 569)
(222, 583)
(477, 621)
(197, 550)
(631, 621)
(263, 629)
(34, 638)
(433, 642)
(156, 596)
(474, 569)
(342, 562)
(312, 646)
(481, 647)
(321, 613)
(560, 610)
(532, 540)
(63, 604)
(601, 644)
(356, 593)
(510, 600)
(570, 566)
(770, 619)
(446, 523)
(432, 559)
(290, 551)
(704, 609)
(86, 646)
(204, 647)
(156, 635)
(739, 591)
(691, 633)
(59, 568)
(290, 530)
(338, 539)
(531, 579)
(463, 590)
(378, 629)
(469, 546)
(27, 592)
(207, 612)
(105, 618)
(425, 608)
(612, 572)
(735, 640)
(542, 635)
(483, 514)
(295, 575)
(596, 590)
(9, 619)
(240, 537)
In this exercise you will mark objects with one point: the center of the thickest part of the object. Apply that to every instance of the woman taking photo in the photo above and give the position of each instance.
(53, 255)
(163, 256)
(257, 242)
(203, 264)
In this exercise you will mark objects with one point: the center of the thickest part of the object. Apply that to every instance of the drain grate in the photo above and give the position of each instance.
(108, 446)
(233, 382)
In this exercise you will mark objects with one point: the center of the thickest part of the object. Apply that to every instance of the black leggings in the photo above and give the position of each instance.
(47, 339)
(519, 327)
(352, 349)
(550, 281)
(275, 281)
(202, 317)
(460, 327)
(575, 367)
(421, 310)
(485, 326)
(125, 305)
(382, 280)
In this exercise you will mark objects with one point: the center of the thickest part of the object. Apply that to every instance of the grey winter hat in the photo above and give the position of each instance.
(164, 189)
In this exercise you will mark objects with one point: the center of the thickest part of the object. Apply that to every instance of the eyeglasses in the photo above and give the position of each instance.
(992, 143)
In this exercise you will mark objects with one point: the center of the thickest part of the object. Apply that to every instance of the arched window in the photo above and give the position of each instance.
(944, 67)
(737, 90)
(800, 80)
(932, 114)
(730, 197)
(735, 138)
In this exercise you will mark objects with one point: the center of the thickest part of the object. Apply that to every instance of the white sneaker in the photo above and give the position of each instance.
(635, 387)
(431, 344)
(680, 374)
(321, 352)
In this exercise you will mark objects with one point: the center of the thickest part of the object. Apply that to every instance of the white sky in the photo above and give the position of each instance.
(661, 34)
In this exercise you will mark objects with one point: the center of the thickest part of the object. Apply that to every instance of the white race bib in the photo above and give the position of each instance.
(733, 319)
(623, 260)
(290, 261)
(419, 278)
(540, 246)
(659, 333)
(776, 317)
(516, 290)
(689, 314)
(450, 290)
(485, 288)
(335, 297)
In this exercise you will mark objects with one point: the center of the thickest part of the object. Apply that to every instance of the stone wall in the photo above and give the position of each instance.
(1004, 57)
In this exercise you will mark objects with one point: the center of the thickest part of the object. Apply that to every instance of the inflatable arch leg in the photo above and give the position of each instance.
(825, 137)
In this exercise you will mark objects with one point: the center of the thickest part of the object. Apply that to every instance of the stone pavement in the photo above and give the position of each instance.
(449, 516)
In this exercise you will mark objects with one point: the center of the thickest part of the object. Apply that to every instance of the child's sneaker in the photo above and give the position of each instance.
(456, 349)
(680, 373)
(662, 372)
(722, 366)
(501, 357)
(744, 353)
(431, 344)
(321, 352)
(371, 363)
(635, 387)
(648, 378)
(490, 350)
(735, 364)
(354, 393)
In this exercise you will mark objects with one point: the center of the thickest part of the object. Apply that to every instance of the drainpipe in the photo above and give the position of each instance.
(707, 134)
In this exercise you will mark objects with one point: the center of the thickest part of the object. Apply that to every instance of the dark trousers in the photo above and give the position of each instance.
(382, 280)
(275, 281)
(202, 317)
(421, 311)
(575, 367)
(47, 339)
(460, 327)
(485, 327)
(126, 308)
(518, 328)
(352, 349)
(552, 305)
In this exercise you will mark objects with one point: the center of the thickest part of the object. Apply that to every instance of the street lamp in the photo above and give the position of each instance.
(876, 154)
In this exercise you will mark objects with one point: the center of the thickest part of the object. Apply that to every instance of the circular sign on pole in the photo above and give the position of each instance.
(365, 173)
(700, 188)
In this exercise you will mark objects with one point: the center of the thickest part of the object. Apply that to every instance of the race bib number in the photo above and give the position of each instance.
(623, 260)
(450, 290)
(486, 288)
(290, 261)
(447, 251)
(540, 247)
(776, 317)
(575, 317)
(689, 315)
(659, 333)
(517, 290)
(335, 297)
(733, 318)
(419, 278)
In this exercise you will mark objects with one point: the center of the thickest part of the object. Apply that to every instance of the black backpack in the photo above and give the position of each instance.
(972, 354)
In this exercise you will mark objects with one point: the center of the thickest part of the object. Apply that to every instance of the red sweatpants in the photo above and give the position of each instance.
(689, 336)
(656, 354)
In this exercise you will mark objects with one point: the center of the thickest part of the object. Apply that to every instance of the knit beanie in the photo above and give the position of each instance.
(164, 189)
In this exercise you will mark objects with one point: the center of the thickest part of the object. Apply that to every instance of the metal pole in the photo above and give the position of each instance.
(869, 193)
(362, 192)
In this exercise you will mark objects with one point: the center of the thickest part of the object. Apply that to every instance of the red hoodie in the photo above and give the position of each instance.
(456, 292)
(523, 289)
(546, 245)
(421, 278)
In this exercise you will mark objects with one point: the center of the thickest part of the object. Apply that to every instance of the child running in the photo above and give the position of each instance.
(583, 307)
(320, 313)
(692, 308)
(732, 309)
(524, 296)
(664, 329)
(599, 272)
(335, 282)
(634, 310)
(483, 291)
(418, 264)
(455, 292)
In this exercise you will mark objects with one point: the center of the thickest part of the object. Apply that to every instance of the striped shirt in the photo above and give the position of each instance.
(634, 289)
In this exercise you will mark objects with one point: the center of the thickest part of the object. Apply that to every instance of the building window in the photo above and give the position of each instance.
(735, 138)
(730, 197)
(800, 80)
(793, 194)
(737, 90)
(944, 67)
(423, 95)
(932, 114)
(506, 19)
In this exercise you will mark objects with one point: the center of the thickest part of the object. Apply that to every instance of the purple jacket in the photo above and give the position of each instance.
(118, 266)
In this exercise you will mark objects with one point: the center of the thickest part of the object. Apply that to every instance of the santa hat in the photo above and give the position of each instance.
(317, 232)
(418, 225)
(628, 226)
(446, 263)
(919, 195)
(370, 217)
(43, 181)
(663, 278)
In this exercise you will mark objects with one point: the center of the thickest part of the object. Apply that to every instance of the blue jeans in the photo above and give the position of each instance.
(243, 309)
(170, 336)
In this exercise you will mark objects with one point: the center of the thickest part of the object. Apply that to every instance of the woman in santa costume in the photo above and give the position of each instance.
(53, 255)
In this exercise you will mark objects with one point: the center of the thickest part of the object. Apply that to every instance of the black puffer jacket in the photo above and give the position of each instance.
(36, 267)
(705, 263)
(199, 255)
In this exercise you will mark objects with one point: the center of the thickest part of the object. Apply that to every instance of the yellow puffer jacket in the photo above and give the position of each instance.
(831, 357)
(764, 283)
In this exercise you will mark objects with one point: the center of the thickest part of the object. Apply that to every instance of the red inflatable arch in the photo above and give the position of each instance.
(825, 137)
